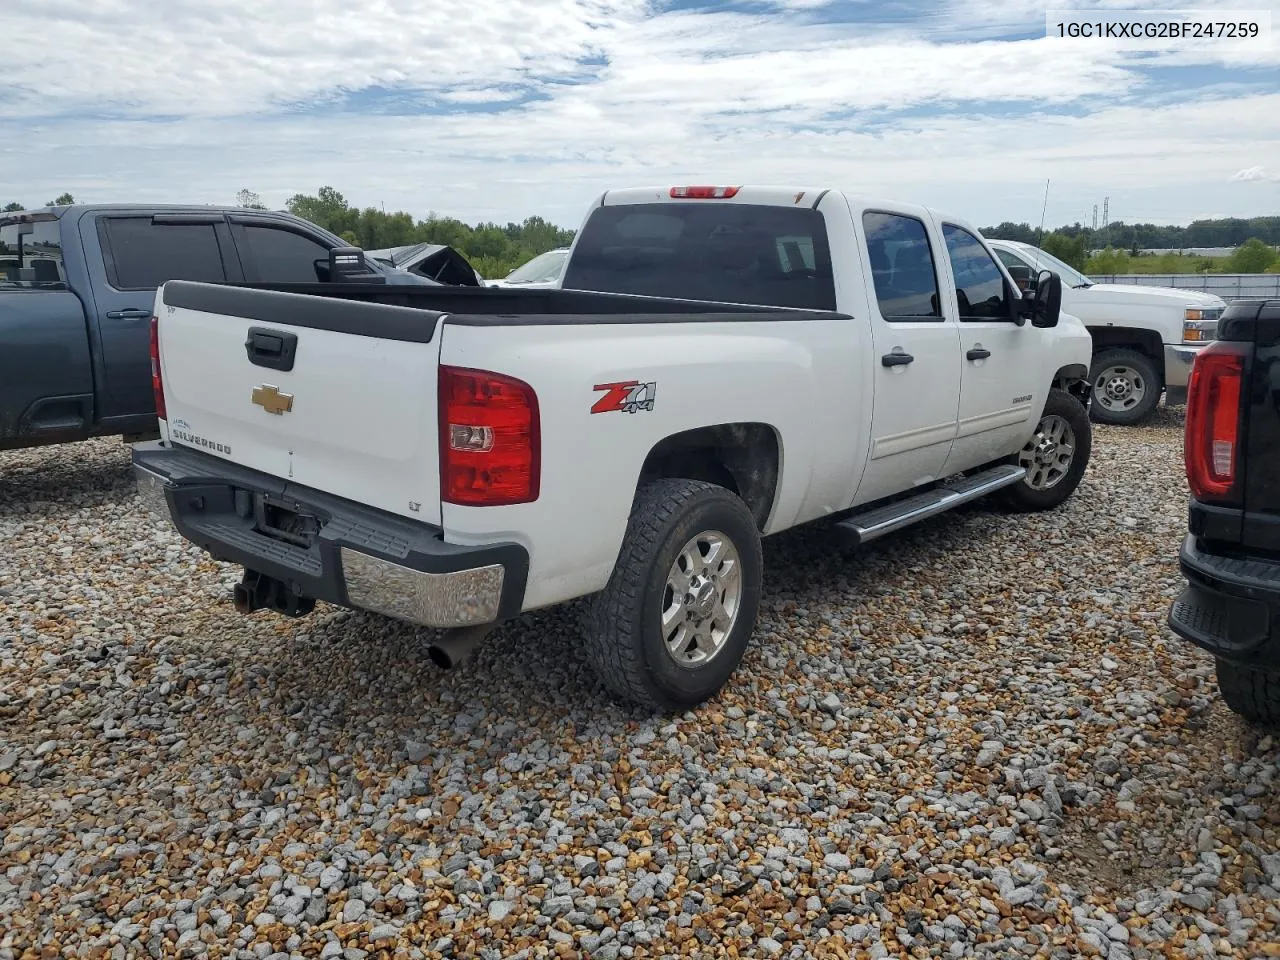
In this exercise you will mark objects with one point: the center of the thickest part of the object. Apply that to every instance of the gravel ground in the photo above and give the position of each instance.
(977, 738)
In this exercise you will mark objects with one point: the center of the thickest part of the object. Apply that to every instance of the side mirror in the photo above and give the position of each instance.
(1043, 303)
(348, 265)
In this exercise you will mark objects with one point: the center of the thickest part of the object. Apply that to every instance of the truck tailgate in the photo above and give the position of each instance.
(333, 394)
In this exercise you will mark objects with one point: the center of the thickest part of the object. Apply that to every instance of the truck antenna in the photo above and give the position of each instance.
(1040, 235)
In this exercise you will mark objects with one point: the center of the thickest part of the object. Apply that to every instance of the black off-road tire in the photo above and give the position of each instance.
(1022, 497)
(1251, 692)
(622, 622)
(1140, 364)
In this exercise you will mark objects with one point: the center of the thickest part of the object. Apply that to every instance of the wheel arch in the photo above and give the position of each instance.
(1147, 342)
(742, 457)
(1073, 379)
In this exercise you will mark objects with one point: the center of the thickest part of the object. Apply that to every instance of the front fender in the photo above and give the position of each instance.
(1071, 343)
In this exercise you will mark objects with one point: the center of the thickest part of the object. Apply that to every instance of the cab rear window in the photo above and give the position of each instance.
(726, 252)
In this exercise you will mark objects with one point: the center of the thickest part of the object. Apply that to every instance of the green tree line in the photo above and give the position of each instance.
(1254, 255)
(495, 250)
(64, 200)
(492, 249)
(1225, 232)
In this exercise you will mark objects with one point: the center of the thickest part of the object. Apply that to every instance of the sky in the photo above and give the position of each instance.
(498, 109)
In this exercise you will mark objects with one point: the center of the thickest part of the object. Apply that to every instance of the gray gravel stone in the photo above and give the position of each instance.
(352, 911)
(937, 705)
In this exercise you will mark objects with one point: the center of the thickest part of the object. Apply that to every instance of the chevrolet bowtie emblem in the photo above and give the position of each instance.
(270, 399)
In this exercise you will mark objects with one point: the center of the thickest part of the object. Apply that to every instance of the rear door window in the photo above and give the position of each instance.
(144, 255)
(902, 267)
(725, 252)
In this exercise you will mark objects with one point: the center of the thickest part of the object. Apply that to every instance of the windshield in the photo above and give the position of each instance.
(31, 253)
(1069, 274)
(545, 266)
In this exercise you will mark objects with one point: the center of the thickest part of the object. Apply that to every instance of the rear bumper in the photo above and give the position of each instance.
(1230, 607)
(352, 555)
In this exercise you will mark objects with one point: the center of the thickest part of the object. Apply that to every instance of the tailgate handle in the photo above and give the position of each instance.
(273, 349)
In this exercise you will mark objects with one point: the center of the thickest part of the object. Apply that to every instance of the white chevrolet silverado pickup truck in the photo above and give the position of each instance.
(722, 364)
(1144, 338)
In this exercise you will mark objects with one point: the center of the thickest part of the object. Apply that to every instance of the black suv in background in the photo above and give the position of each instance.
(1231, 556)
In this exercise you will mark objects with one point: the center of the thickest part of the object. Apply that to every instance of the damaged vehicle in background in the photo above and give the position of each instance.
(436, 262)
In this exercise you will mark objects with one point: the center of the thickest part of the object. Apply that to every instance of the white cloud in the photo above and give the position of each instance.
(213, 97)
(193, 57)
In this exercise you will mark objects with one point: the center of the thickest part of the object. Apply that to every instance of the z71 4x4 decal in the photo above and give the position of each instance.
(627, 397)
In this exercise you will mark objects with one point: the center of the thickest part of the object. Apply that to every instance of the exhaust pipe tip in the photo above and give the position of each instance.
(455, 646)
(440, 657)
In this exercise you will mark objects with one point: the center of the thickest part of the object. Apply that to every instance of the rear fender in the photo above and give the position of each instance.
(610, 393)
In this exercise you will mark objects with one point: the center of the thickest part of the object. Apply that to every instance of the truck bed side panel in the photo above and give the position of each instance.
(800, 377)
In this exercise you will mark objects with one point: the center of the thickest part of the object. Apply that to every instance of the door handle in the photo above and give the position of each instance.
(130, 313)
(979, 352)
(896, 359)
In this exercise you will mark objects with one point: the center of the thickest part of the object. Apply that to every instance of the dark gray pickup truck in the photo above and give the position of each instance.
(1231, 554)
(77, 285)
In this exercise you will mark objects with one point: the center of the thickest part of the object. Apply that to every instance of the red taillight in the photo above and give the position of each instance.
(157, 384)
(1212, 437)
(704, 193)
(489, 439)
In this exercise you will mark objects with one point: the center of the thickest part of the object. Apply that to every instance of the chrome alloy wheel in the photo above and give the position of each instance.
(702, 598)
(1047, 456)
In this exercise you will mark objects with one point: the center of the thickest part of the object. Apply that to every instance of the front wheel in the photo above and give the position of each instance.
(1055, 457)
(674, 620)
(1126, 387)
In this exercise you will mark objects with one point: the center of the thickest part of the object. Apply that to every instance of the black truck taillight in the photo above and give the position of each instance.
(1211, 447)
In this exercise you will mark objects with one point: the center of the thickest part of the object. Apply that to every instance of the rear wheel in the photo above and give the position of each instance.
(1251, 692)
(1055, 457)
(1126, 387)
(674, 620)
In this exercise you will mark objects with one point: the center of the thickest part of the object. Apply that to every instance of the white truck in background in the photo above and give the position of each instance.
(721, 364)
(1144, 338)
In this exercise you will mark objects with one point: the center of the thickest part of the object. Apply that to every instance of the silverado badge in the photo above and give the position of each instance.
(270, 399)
